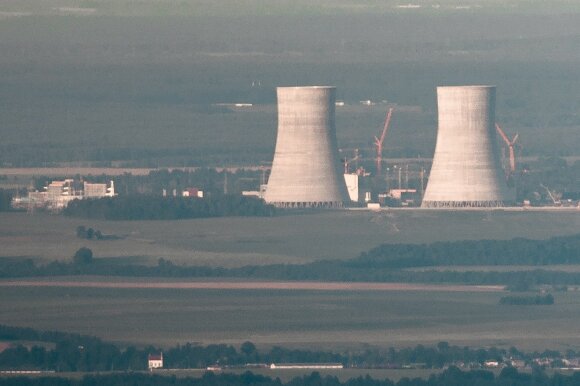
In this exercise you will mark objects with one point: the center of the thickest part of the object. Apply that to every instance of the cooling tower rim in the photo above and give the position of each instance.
(475, 86)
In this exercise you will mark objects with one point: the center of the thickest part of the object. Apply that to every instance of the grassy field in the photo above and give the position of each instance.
(343, 375)
(293, 238)
(299, 318)
(331, 320)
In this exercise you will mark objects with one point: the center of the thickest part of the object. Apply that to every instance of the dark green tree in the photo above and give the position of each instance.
(83, 256)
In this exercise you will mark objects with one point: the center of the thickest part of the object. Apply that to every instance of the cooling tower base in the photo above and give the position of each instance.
(463, 204)
(296, 205)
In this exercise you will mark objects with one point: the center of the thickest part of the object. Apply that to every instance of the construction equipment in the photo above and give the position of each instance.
(510, 145)
(347, 161)
(555, 200)
(379, 141)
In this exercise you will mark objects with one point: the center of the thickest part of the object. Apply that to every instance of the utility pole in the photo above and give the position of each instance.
(225, 181)
(422, 183)
(400, 170)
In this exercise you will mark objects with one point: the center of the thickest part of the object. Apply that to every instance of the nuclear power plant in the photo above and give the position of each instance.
(466, 169)
(306, 170)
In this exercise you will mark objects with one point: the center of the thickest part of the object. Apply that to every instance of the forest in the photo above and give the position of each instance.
(146, 207)
(73, 352)
(520, 251)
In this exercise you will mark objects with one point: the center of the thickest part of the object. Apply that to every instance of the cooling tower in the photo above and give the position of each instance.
(306, 170)
(466, 169)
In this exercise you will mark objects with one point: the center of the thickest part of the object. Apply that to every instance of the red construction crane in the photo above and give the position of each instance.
(510, 145)
(379, 141)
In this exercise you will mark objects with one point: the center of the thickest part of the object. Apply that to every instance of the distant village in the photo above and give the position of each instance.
(155, 362)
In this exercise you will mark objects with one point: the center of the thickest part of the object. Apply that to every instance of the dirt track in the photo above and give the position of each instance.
(259, 285)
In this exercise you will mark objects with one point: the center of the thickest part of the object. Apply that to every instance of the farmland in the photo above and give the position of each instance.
(290, 238)
(168, 314)
(150, 84)
(294, 318)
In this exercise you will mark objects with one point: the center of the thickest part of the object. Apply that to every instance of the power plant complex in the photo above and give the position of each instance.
(466, 169)
(466, 172)
(306, 170)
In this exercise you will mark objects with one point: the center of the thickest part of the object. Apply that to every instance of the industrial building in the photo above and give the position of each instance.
(91, 190)
(466, 169)
(57, 194)
(306, 171)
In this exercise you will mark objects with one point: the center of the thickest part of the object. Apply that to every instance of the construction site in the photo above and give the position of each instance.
(475, 164)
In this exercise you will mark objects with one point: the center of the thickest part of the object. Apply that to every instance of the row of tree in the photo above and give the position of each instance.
(537, 300)
(148, 207)
(317, 271)
(518, 251)
(72, 352)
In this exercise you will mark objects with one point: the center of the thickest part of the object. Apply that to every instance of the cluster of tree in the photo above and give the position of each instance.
(89, 234)
(451, 376)
(73, 352)
(547, 299)
(147, 207)
(5, 200)
(518, 251)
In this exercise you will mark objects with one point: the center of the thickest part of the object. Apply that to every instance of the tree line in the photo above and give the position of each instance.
(5, 200)
(518, 251)
(149, 207)
(73, 352)
(449, 377)
(382, 264)
(537, 300)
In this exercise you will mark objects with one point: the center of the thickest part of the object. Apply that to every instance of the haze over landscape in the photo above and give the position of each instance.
(170, 107)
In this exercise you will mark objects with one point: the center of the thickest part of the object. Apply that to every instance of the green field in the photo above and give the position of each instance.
(295, 318)
(292, 238)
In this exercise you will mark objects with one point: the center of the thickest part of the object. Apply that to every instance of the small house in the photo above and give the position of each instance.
(155, 361)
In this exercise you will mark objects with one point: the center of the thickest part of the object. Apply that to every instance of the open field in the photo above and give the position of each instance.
(285, 375)
(295, 318)
(245, 285)
(292, 238)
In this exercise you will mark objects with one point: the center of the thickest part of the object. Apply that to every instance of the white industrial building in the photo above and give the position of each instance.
(91, 190)
(57, 194)
(351, 180)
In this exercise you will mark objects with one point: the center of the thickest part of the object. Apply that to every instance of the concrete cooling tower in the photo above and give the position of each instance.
(466, 169)
(306, 169)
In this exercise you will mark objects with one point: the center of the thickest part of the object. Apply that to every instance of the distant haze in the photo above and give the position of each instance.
(84, 80)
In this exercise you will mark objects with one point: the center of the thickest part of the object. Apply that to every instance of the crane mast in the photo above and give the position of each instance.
(510, 145)
(379, 141)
